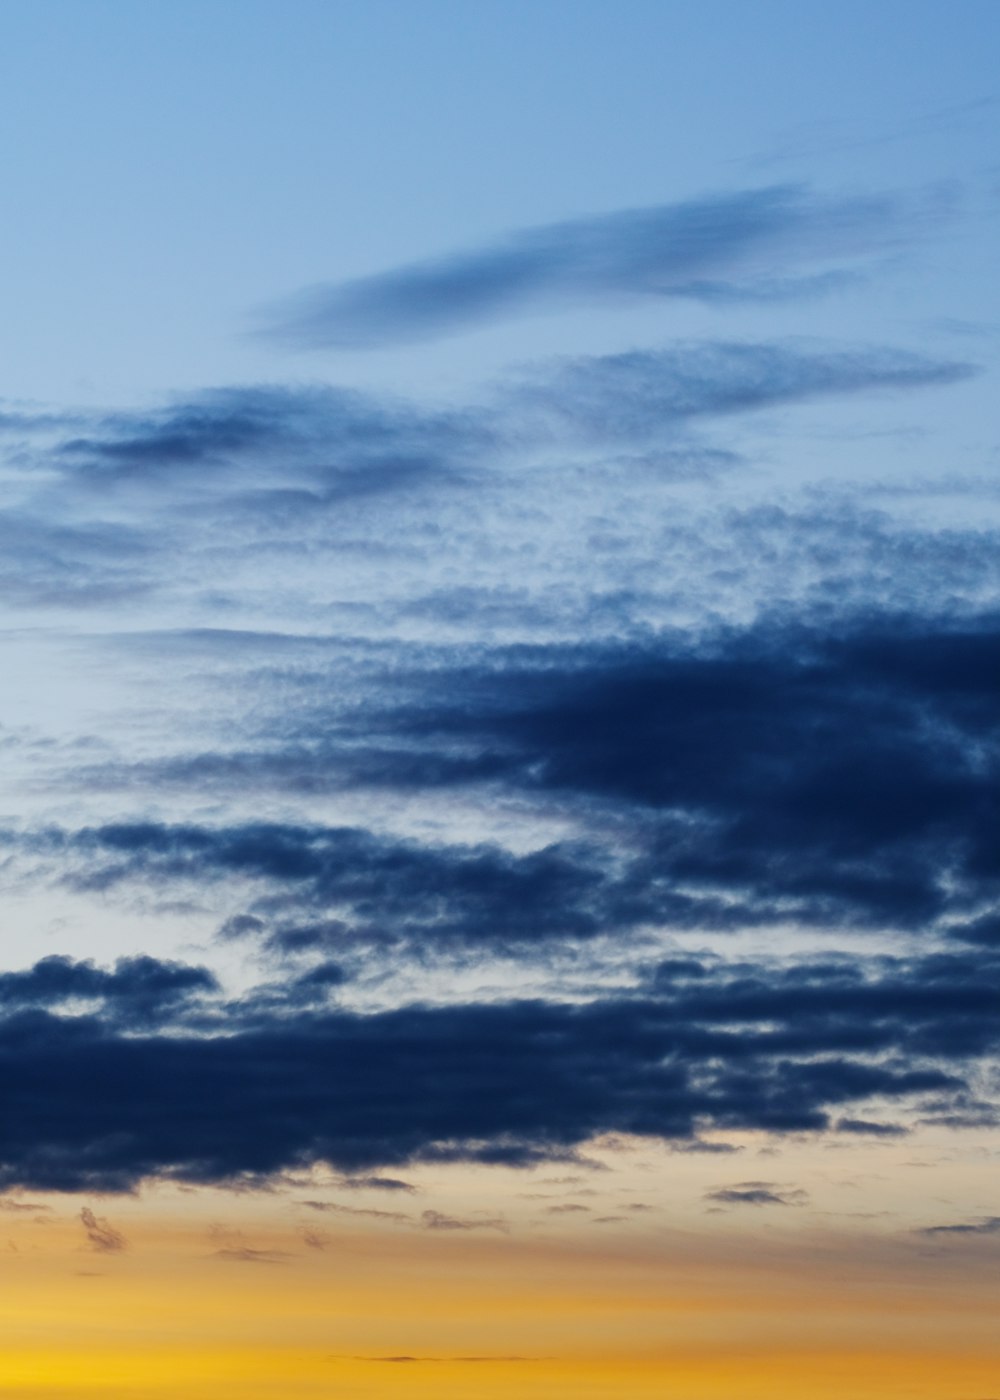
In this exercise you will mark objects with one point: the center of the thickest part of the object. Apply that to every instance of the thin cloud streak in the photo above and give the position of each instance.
(769, 244)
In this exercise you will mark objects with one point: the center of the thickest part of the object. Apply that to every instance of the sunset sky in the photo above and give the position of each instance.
(500, 805)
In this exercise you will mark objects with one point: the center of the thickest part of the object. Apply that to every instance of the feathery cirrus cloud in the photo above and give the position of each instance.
(766, 244)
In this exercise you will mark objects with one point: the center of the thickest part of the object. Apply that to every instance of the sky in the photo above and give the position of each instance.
(499, 823)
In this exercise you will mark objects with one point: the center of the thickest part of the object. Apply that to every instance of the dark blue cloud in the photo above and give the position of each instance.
(86, 1106)
(845, 776)
(360, 888)
(984, 931)
(852, 771)
(139, 990)
(765, 244)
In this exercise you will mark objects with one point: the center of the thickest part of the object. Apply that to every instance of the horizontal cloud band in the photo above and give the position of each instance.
(844, 777)
(85, 1106)
(764, 244)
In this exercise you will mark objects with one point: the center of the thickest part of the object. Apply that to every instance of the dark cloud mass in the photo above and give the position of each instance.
(252, 1092)
(849, 775)
(767, 244)
(140, 990)
(844, 775)
(841, 775)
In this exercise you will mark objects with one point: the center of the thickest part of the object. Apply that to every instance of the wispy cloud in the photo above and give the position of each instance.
(230, 499)
(771, 243)
(757, 1193)
(246, 1255)
(101, 1234)
(988, 1225)
(639, 395)
(437, 1220)
(395, 1217)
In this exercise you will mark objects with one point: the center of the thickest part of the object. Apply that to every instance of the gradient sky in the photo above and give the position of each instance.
(499, 830)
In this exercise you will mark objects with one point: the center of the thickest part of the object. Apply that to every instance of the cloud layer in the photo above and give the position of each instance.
(507, 760)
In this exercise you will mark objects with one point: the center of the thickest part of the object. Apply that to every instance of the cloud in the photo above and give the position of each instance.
(435, 1220)
(101, 1235)
(376, 1183)
(636, 396)
(48, 563)
(18, 419)
(716, 1149)
(832, 769)
(511, 1083)
(227, 501)
(278, 454)
(140, 989)
(381, 888)
(251, 1256)
(395, 1216)
(862, 1127)
(757, 1193)
(846, 776)
(989, 1225)
(763, 244)
(984, 931)
(840, 776)
(326, 443)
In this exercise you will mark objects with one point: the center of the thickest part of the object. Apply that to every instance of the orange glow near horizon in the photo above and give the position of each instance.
(717, 1373)
(285, 1303)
